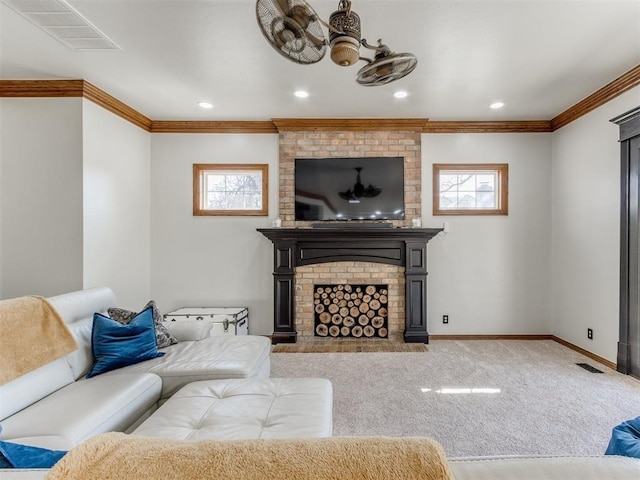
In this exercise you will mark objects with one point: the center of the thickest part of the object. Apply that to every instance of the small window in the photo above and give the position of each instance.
(230, 189)
(470, 189)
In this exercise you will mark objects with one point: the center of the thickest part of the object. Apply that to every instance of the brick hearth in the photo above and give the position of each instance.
(347, 345)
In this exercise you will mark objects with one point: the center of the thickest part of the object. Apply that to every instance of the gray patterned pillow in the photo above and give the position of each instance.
(163, 336)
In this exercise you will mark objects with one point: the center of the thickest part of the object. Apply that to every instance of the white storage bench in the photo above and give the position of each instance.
(223, 320)
(240, 409)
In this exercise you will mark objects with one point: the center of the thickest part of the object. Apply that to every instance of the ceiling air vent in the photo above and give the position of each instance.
(64, 23)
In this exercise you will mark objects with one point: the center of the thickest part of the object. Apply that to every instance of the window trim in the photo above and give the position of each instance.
(198, 172)
(503, 184)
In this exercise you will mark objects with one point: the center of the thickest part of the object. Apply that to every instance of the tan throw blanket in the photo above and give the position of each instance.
(116, 456)
(32, 334)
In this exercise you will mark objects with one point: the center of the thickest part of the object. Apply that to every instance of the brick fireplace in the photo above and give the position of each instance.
(304, 144)
(350, 257)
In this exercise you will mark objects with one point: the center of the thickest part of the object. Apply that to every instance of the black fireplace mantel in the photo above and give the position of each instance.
(405, 247)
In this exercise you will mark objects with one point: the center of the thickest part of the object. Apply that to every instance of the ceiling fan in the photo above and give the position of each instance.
(359, 190)
(296, 31)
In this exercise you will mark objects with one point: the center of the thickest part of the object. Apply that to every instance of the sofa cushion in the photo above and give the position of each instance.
(116, 345)
(24, 474)
(86, 408)
(31, 387)
(545, 468)
(163, 336)
(245, 408)
(211, 358)
(77, 309)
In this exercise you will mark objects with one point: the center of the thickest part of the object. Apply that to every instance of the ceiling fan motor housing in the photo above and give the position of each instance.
(345, 46)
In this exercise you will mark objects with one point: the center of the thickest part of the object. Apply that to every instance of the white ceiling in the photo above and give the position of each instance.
(538, 57)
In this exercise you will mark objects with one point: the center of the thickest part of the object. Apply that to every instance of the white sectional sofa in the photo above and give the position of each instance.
(55, 407)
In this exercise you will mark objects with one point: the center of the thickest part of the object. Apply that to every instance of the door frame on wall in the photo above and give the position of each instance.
(629, 339)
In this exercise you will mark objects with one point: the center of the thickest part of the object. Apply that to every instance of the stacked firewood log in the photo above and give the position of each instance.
(351, 310)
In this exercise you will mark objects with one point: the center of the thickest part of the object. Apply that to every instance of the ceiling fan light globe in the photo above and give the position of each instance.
(345, 53)
(344, 36)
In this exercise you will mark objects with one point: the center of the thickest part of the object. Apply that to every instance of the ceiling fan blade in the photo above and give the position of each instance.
(287, 33)
(372, 191)
(282, 6)
(315, 41)
(348, 195)
(387, 69)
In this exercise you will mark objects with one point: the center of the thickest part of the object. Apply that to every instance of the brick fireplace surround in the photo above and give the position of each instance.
(332, 144)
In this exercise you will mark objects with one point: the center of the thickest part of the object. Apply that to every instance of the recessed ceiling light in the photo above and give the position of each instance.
(206, 105)
(400, 94)
(301, 94)
(496, 105)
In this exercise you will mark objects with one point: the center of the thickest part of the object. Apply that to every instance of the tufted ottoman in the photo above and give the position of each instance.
(245, 409)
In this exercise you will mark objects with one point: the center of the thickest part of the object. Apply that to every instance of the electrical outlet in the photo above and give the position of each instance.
(445, 318)
(590, 333)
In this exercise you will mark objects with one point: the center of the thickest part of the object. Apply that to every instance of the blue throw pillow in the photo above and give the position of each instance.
(115, 345)
(625, 439)
(13, 455)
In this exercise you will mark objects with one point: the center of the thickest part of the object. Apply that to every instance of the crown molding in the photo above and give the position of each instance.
(624, 82)
(112, 104)
(73, 88)
(178, 126)
(526, 126)
(41, 88)
(348, 124)
(82, 88)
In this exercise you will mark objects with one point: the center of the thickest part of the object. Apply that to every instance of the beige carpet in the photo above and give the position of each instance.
(475, 397)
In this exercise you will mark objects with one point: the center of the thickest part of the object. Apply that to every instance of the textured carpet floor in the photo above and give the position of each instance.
(475, 397)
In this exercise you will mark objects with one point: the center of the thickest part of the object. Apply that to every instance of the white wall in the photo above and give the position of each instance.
(41, 196)
(586, 228)
(117, 214)
(490, 274)
(210, 261)
(88, 199)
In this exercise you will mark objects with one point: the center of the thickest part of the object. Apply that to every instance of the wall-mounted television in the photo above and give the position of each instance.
(370, 188)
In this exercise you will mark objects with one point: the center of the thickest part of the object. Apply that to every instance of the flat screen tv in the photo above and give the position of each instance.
(370, 188)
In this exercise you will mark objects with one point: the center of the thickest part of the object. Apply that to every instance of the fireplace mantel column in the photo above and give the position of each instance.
(405, 247)
(415, 329)
(284, 326)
